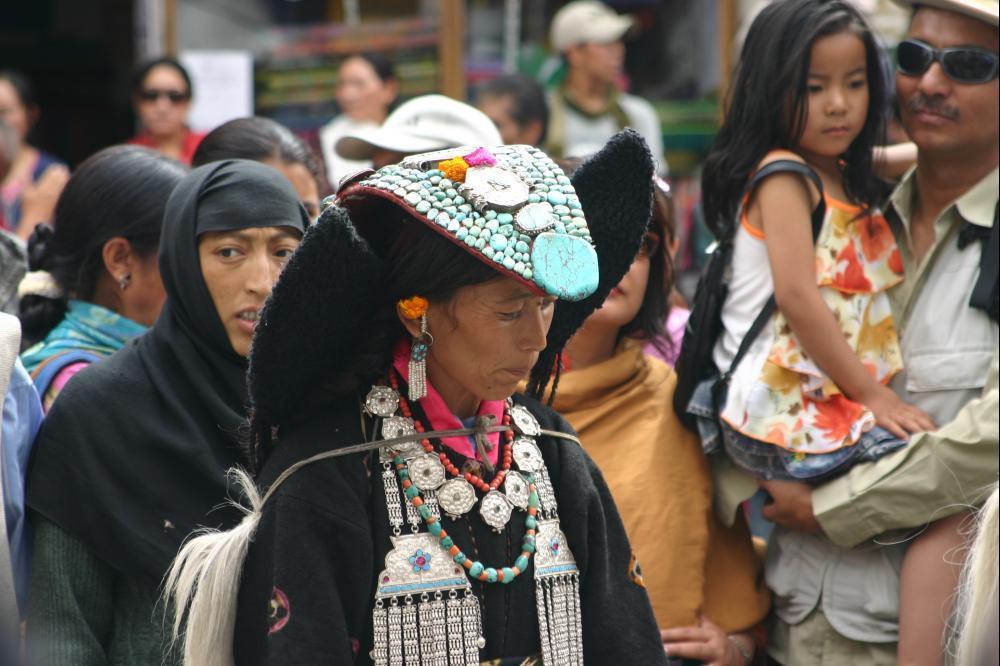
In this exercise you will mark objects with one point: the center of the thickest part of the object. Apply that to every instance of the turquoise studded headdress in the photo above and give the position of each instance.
(511, 206)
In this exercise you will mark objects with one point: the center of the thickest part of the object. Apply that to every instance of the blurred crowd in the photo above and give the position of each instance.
(802, 454)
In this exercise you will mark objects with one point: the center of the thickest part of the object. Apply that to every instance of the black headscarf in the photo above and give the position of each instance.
(134, 452)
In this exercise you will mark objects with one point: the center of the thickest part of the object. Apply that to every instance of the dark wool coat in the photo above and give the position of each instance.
(307, 590)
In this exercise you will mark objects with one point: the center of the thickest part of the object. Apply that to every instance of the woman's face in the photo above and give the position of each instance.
(163, 102)
(303, 182)
(486, 340)
(12, 110)
(240, 268)
(361, 94)
(624, 302)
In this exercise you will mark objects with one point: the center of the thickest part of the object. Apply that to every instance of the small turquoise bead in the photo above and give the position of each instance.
(403, 474)
(490, 214)
(530, 547)
(446, 184)
(434, 528)
(508, 251)
(460, 216)
(508, 263)
(505, 218)
(534, 198)
(447, 542)
(451, 192)
(521, 563)
(425, 513)
(474, 232)
(530, 522)
(432, 213)
(508, 575)
(488, 251)
(556, 198)
(480, 243)
(423, 207)
(439, 195)
(470, 240)
(461, 234)
(458, 200)
(507, 230)
(527, 274)
(412, 492)
(412, 198)
(460, 558)
(521, 247)
(498, 242)
(492, 225)
(491, 575)
(476, 569)
(447, 201)
(533, 500)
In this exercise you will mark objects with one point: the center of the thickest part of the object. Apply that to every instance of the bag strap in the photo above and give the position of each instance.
(989, 271)
(50, 368)
(818, 214)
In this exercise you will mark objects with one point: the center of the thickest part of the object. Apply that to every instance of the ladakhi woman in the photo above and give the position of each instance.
(416, 511)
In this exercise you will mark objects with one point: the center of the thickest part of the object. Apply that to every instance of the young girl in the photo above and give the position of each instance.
(809, 397)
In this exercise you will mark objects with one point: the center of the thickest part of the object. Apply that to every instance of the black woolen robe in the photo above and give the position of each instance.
(324, 534)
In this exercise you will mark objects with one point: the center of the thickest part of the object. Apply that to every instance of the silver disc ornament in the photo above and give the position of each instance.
(456, 496)
(495, 510)
(382, 401)
(401, 426)
(495, 188)
(524, 421)
(426, 471)
(526, 454)
(517, 490)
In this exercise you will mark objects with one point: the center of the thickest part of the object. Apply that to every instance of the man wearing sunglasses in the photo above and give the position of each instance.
(944, 215)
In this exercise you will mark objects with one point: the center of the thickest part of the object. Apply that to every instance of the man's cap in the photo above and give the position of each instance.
(429, 122)
(987, 11)
(585, 22)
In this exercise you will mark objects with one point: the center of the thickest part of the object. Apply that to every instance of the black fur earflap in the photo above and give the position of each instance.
(307, 329)
(615, 188)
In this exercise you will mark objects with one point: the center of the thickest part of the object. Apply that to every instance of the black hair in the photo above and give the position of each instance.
(767, 104)
(384, 67)
(528, 97)
(649, 323)
(258, 139)
(22, 86)
(419, 262)
(141, 71)
(120, 191)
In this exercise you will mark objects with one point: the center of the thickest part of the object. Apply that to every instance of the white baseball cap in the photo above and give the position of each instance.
(585, 22)
(987, 11)
(422, 124)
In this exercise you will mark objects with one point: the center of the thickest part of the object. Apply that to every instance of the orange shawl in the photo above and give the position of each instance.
(662, 485)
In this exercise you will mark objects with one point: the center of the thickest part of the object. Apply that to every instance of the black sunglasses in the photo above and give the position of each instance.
(962, 63)
(151, 95)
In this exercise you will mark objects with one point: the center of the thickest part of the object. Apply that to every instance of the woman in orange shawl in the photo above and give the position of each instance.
(702, 577)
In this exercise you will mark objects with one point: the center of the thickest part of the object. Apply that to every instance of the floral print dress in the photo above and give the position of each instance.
(778, 394)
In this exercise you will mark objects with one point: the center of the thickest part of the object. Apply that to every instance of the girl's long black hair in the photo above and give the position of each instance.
(767, 104)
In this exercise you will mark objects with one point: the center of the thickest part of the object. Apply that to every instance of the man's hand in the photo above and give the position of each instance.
(790, 505)
(705, 642)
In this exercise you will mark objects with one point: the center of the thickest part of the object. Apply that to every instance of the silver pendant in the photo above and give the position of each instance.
(382, 401)
(517, 490)
(524, 421)
(557, 595)
(527, 454)
(456, 496)
(397, 426)
(495, 510)
(426, 472)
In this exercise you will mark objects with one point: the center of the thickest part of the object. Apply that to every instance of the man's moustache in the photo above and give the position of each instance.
(921, 104)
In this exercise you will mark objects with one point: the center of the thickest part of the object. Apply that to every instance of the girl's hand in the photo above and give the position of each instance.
(896, 416)
(706, 642)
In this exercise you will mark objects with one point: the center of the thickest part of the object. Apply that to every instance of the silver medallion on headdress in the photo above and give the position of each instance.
(524, 421)
(426, 472)
(456, 496)
(526, 454)
(382, 401)
(517, 490)
(495, 510)
(495, 188)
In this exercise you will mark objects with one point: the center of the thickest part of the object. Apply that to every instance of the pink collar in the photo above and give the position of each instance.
(440, 416)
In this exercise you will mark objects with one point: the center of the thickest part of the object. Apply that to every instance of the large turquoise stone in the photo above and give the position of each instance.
(564, 266)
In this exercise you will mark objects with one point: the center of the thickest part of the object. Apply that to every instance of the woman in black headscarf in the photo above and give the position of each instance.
(133, 454)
